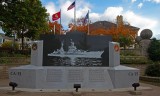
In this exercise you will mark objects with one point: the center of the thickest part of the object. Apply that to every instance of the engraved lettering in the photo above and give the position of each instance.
(15, 73)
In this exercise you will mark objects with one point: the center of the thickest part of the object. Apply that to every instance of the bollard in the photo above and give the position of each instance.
(77, 86)
(135, 85)
(13, 85)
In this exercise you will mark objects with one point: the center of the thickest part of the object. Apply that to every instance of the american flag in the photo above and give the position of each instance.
(71, 6)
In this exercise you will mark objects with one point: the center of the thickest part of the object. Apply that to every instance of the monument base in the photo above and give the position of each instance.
(43, 77)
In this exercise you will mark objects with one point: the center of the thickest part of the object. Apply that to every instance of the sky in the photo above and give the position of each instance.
(143, 14)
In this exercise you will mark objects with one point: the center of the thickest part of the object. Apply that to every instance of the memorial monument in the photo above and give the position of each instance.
(68, 64)
(146, 35)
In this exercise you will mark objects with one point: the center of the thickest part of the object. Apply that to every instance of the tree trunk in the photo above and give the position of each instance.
(22, 42)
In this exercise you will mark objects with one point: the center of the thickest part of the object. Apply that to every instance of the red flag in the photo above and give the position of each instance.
(71, 6)
(56, 16)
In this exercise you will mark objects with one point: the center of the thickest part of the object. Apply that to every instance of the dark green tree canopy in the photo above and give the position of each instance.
(26, 18)
(125, 41)
(154, 50)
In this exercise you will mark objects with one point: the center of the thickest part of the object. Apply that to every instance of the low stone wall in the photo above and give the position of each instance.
(8, 62)
(14, 60)
(150, 79)
(3, 72)
(141, 67)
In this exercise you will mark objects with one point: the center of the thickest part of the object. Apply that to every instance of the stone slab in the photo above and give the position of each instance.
(60, 77)
(30, 76)
(123, 77)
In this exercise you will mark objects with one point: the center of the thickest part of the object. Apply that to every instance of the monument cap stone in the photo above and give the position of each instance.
(37, 53)
(114, 54)
(146, 34)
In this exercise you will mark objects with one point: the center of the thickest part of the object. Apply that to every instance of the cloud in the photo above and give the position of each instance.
(133, 1)
(109, 14)
(134, 19)
(140, 21)
(81, 10)
(51, 8)
(140, 5)
(112, 12)
(156, 1)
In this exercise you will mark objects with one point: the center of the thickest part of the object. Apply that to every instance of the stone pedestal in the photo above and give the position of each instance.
(123, 77)
(37, 53)
(114, 54)
(144, 46)
(37, 76)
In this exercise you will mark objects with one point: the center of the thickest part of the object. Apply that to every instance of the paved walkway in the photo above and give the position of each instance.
(152, 91)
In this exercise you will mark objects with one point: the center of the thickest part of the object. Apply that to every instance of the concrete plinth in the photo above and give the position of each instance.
(136, 92)
(31, 76)
(77, 93)
(36, 76)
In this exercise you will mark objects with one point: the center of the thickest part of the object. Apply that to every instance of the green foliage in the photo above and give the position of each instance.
(4, 61)
(7, 54)
(154, 50)
(14, 60)
(133, 60)
(125, 41)
(26, 18)
(128, 53)
(153, 70)
(10, 44)
(4, 54)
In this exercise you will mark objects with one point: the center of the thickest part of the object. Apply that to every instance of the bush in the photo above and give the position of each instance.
(10, 44)
(4, 54)
(153, 70)
(133, 60)
(154, 50)
(130, 52)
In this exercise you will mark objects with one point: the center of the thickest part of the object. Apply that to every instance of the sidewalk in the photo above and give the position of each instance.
(149, 90)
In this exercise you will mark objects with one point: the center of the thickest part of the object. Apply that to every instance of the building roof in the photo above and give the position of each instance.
(6, 37)
(107, 25)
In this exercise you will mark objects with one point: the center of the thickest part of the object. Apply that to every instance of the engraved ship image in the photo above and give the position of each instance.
(74, 53)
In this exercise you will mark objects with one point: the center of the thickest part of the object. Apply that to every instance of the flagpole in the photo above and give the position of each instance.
(75, 16)
(88, 22)
(54, 29)
(60, 22)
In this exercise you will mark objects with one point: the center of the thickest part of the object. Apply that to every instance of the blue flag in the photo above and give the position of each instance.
(86, 17)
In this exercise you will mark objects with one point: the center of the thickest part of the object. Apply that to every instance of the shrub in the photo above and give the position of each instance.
(133, 60)
(10, 44)
(154, 50)
(153, 70)
(4, 54)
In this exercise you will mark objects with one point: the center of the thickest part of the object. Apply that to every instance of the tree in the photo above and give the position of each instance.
(154, 50)
(26, 18)
(125, 41)
(55, 26)
(122, 32)
(81, 25)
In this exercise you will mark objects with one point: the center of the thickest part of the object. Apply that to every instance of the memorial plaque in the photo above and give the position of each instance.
(96, 75)
(75, 75)
(75, 49)
(54, 75)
